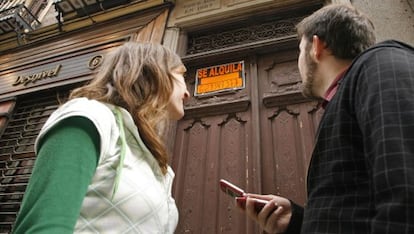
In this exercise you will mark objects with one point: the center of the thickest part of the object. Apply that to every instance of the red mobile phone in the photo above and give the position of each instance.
(258, 203)
(231, 189)
(240, 195)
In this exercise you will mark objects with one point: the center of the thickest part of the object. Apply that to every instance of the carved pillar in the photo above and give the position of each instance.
(171, 38)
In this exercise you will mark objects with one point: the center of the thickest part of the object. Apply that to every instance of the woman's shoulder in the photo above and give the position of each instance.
(84, 105)
(100, 114)
(94, 110)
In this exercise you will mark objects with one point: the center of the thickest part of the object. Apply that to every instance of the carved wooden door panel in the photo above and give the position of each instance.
(259, 137)
(288, 124)
(210, 149)
(212, 142)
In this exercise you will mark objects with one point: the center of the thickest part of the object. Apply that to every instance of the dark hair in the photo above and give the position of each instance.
(137, 77)
(346, 31)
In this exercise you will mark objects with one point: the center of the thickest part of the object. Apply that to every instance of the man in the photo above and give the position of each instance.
(361, 175)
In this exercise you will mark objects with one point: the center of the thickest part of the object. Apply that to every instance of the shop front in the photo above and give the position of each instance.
(246, 120)
(37, 76)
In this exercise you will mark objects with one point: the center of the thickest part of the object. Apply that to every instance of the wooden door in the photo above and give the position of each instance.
(288, 124)
(260, 138)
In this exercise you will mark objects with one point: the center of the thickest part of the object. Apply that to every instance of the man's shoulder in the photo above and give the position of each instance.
(384, 51)
(389, 45)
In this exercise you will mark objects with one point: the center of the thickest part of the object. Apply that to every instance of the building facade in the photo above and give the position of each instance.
(246, 120)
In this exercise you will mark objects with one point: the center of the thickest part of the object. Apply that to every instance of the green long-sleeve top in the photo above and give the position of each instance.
(66, 162)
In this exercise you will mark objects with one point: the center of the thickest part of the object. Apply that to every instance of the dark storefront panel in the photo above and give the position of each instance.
(70, 59)
(17, 153)
(60, 64)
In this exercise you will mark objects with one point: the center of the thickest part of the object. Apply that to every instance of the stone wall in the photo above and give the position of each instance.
(393, 19)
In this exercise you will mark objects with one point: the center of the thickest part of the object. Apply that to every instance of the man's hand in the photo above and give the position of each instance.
(275, 215)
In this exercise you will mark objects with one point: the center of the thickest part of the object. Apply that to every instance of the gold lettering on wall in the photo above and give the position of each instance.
(33, 78)
(95, 62)
(192, 7)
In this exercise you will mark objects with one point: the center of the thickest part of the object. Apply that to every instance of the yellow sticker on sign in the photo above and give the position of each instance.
(219, 78)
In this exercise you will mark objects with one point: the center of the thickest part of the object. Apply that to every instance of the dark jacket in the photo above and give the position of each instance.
(361, 175)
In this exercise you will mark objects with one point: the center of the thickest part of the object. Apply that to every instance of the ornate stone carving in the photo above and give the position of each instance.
(278, 111)
(281, 75)
(202, 42)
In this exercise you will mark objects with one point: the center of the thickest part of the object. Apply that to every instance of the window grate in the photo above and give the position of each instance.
(17, 155)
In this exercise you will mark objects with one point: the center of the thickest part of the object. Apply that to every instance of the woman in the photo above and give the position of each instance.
(102, 166)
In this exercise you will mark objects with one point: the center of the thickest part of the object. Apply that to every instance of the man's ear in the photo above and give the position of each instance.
(318, 46)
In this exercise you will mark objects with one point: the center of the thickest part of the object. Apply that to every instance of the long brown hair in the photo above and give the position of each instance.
(137, 77)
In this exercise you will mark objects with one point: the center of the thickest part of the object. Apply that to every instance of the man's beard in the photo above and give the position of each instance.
(307, 85)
